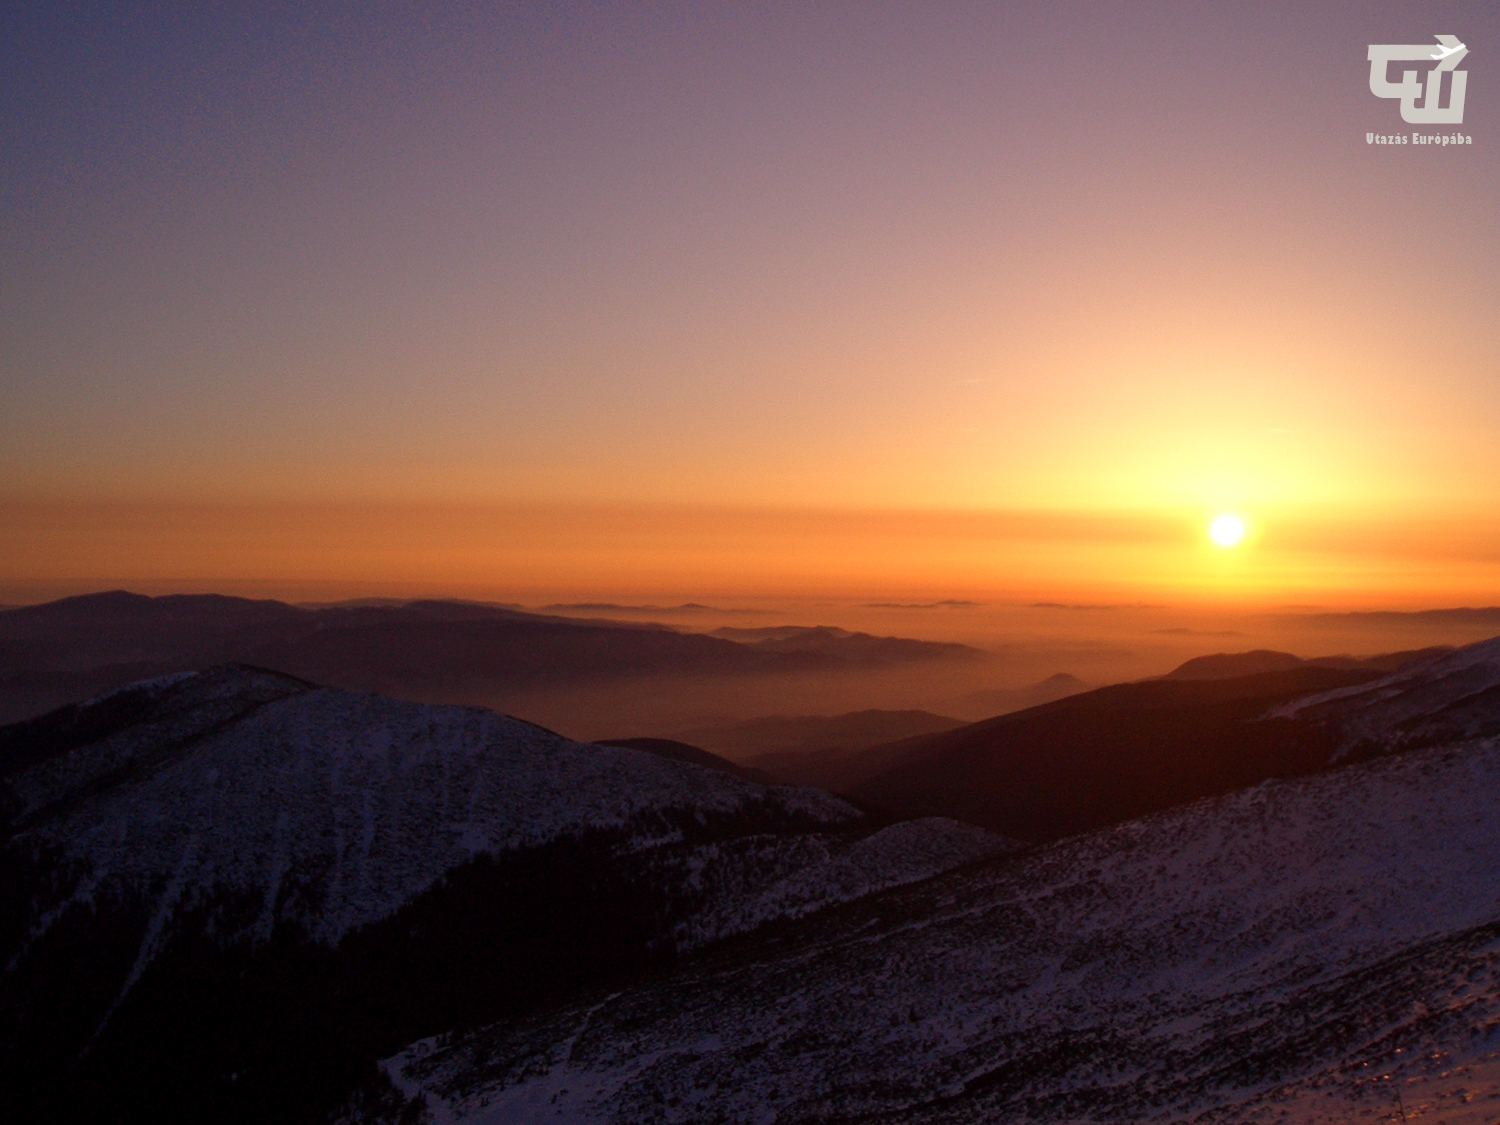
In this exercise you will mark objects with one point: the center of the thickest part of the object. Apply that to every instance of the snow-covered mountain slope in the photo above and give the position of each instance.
(370, 798)
(827, 870)
(1305, 950)
(199, 838)
(1441, 699)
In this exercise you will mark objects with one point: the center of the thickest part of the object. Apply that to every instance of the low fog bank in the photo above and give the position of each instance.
(675, 668)
(1100, 642)
(681, 707)
(1028, 645)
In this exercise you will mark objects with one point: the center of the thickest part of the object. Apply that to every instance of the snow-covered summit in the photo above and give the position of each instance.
(247, 868)
(248, 779)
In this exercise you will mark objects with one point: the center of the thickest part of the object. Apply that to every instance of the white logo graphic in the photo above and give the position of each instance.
(1450, 53)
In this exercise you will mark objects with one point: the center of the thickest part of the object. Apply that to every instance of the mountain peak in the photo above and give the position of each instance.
(1224, 665)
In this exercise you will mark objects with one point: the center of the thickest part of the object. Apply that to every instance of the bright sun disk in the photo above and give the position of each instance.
(1226, 531)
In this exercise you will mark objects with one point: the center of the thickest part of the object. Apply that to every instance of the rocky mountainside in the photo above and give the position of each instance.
(223, 892)
(1319, 949)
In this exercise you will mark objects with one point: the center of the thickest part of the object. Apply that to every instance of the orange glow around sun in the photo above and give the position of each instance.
(1227, 530)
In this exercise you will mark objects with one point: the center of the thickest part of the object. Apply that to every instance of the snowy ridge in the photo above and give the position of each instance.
(1441, 699)
(1302, 944)
(354, 803)
(293, 881)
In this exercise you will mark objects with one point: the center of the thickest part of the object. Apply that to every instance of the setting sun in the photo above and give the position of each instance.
(1226, 531)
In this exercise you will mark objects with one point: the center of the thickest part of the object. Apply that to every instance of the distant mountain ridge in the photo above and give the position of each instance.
(829, 639)
(1224, 665)
(430, 651)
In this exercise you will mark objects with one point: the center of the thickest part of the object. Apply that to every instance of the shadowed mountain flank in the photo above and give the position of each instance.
(1115, 753)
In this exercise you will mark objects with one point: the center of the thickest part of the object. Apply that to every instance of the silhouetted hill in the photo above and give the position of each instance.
(1224, 665)
(1109, 755)
(1227, 665)
(433, 651)
(1123, 751)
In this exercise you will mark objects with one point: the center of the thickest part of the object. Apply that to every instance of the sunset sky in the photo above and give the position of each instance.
(530, 300)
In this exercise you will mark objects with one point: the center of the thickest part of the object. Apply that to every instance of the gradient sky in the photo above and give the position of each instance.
(694, 297)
